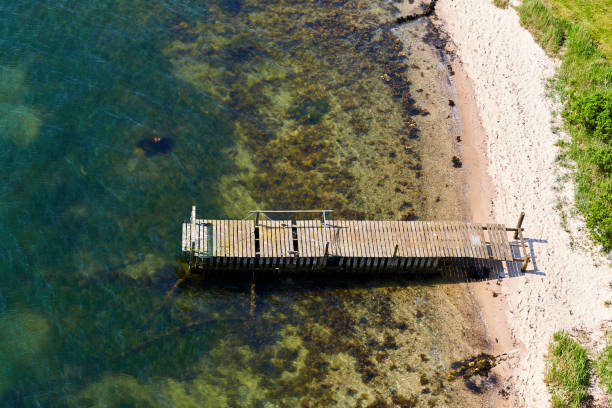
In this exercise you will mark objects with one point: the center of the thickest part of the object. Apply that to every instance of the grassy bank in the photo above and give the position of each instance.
(567, 375)
(604, 368)
(580, 35)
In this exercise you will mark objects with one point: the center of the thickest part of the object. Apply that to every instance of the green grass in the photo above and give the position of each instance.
(567, 373)
(594, 15)
(501, 3)
(579, 34)
(604, 368)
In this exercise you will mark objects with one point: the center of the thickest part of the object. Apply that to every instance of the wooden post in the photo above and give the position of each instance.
(193, 223)
(326, 253)
(192, 235)
(525, 254)
(257, 218)
(519, 224)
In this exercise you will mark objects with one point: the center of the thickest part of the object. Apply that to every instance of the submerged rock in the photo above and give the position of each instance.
(154, 144)
(18, 124)
(24, 337)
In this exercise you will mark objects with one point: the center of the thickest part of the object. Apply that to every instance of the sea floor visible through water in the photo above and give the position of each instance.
(117, 116)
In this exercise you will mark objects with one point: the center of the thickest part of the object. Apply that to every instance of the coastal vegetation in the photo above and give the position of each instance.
(604, 368)
(580, 35)
(568, 371)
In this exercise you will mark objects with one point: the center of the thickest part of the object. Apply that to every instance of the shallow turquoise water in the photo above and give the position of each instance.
(90, 224)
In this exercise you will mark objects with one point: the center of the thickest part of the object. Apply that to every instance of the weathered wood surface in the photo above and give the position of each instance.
(347, 239)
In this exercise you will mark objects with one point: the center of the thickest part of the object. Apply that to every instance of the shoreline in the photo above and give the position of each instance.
(510, 155)
(478, 200)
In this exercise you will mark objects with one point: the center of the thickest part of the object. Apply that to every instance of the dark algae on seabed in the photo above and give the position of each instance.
(117, 115)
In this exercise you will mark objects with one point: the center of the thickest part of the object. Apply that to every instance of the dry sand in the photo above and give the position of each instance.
(509, 152)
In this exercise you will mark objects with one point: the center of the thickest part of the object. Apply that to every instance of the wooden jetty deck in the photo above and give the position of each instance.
(344, 244)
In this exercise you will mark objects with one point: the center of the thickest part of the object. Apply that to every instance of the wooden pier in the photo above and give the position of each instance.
(323, 244)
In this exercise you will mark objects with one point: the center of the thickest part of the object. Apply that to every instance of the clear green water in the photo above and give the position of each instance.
(268, 104)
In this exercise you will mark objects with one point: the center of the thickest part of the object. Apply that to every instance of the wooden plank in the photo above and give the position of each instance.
(373, 238)
(279, 237)
(229, 238)
(341, 238)
(264, 247)
(309, 233)
(467, 247)
(303, 242)
(384, 229)
(436, 239)
(287, 239)
(315, 236)
(243, 236)
(231, 233)
(503, 243)
(466, 241)
(453, 239)
(440, 250)
(396, 239)
(271, 239)
(363, 233)
(408, 243)
(323, 237)
(414, 229)
(429, 239)
(359, 237)
(235, 249)
(215, 238)
(221, 236)
(313, 233)
(356, 243)
(402, 239)
(237, 253)
(379, 227)
(328, 236)
(506, 243)
(452, 244)
(246, 238)
(388, 237)
(481, 235)
(350, 239)
(495, 238)
(416, 235)
(443, 240)
(488, 237)
(250, 252)
(500, 242)
(423, 231)
(492, 240)
(471, 231)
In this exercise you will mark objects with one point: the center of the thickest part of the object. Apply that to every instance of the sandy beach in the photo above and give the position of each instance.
(509, 152)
